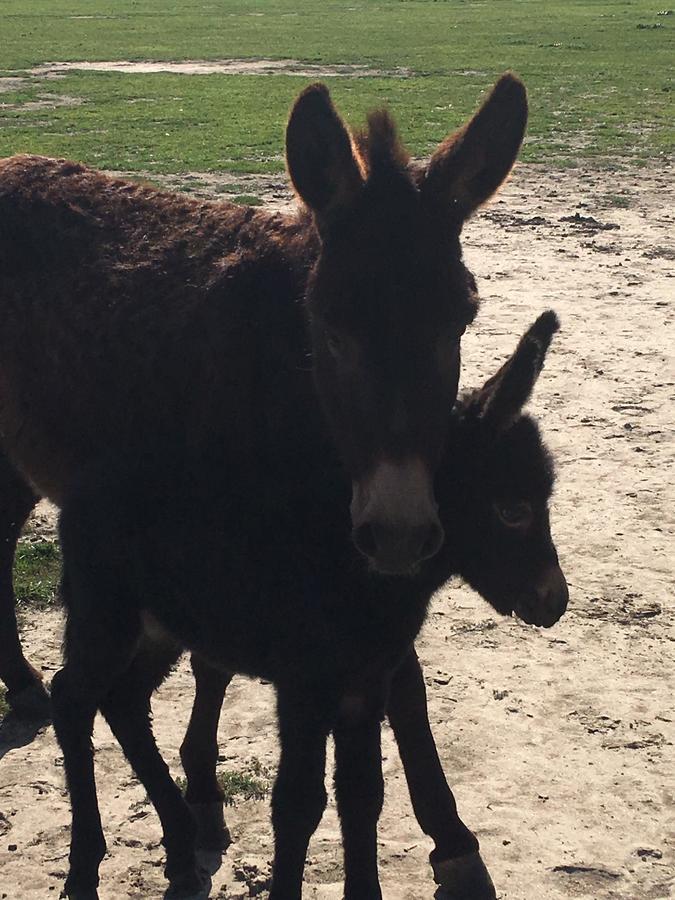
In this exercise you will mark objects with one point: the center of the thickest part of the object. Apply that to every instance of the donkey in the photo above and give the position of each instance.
(147, 572)
(134, 318)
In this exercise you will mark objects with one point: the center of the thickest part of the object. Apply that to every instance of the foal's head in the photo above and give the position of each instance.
(498, 509)
(389, 299)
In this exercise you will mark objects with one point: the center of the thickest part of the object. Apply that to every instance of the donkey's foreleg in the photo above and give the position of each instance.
(25, 692)
(359, 791)
(199, 755)
(456, 859)
(126, 708)
(299, 795)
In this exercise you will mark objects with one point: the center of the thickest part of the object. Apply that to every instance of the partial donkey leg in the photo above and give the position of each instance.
(199, 755)
(126, 708)
(456, 861)
(111, 666)
(26, 693)
(98, 650)
(299, 795)
(359, 790)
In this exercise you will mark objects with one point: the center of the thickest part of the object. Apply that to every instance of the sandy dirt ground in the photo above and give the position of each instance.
(558, 744)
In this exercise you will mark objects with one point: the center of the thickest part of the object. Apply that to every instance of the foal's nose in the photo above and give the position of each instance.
(547, 603)
(552, 596)
(396, 550)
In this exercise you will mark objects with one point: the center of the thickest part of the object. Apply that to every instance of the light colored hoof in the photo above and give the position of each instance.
(463, 878)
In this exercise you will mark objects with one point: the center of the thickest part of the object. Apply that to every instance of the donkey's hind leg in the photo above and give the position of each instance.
(112, 667)
(126, 708)
(456, 860)
(199, 755)
(98, 651)
(25, 691)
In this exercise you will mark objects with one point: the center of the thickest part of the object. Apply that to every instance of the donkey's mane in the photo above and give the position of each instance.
(378, 147)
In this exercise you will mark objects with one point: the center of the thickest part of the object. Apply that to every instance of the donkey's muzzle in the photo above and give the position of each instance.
(397, 551)
(547, 603)
(394, 517)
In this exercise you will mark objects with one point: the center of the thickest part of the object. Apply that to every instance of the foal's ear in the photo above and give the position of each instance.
(503, 396)
(468, 167)
(319, 154)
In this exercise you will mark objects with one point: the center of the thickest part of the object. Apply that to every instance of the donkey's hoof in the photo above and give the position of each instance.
(463, 878)
(213, 835)
(194, 884)
(79, 893)
(31, 704)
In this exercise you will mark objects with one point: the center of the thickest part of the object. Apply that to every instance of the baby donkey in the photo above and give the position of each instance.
(281, 595)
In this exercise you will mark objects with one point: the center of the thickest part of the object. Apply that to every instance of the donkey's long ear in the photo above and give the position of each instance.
(319, 155)
(501, 399)
(468, 167)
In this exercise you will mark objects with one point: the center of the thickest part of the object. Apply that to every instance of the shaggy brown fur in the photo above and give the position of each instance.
(138, 323)
(127, 311)
(296, 609)
(131, 315)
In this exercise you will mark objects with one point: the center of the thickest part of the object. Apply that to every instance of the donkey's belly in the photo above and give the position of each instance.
(269, 625)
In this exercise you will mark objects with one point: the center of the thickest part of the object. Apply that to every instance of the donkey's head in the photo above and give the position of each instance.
(389, 298)
(499, 507)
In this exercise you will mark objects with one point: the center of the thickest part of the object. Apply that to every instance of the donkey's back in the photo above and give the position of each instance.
(129, 310)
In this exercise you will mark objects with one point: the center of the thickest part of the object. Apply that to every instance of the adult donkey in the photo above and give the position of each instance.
(132, 317)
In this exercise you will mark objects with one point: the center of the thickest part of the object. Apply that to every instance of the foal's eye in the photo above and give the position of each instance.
(514, 515)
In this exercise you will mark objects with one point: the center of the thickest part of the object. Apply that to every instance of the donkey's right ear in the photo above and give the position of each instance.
(319, 155)
(500, 401)
(469, 166)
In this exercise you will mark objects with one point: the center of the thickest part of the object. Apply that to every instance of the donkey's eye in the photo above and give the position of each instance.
(514, 515)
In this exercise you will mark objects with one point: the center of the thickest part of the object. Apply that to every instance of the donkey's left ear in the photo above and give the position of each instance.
(469, 166)
(319, 155)
(502, 398)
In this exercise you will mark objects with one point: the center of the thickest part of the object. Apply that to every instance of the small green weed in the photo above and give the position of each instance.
(250, 783)
(37, 570)
(4, 705)
(247, 200)
(619, 201)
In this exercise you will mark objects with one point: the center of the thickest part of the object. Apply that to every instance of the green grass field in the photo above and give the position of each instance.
(37, 571)
(600, 75)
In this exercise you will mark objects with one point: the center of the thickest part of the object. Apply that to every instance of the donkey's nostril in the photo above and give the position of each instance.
(364, 539)
(396, 550)
(433, 541)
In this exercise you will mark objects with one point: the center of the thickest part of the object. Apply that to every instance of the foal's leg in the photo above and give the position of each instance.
(126, 708)
(199, 755)
(106, 669)
(359, 791)
(456, 859)
(109, 666)
(98, 651)
(25, 692)
(299, 795)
